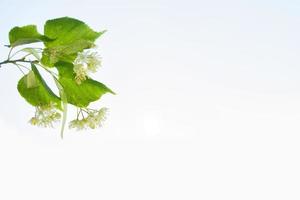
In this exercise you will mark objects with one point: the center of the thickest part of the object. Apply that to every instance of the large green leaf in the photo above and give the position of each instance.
(69, 36)
(25, 35)
(83, 94)
(35, 90)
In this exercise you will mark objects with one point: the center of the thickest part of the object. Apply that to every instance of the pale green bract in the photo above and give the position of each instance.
(69, 58)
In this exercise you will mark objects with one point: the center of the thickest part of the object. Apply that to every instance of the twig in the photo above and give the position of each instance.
(18, 60)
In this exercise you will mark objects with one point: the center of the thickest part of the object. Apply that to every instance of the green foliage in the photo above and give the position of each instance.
(35, 90)
(83, 94)
(65, 40)
(25, 35)
(70, 36)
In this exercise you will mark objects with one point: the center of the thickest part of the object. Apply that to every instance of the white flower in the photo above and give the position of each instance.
(94, 119)
(97, 118)
(81, 73)
(86, 62)
(45, 116)
(93, 61)
(78, 124)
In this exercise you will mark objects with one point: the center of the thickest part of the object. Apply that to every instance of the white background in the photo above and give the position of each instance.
(208, 104)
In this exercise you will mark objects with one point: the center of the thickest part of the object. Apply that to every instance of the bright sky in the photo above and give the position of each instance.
(208, 104)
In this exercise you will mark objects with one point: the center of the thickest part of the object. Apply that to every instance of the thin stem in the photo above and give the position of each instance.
(77, 113)
(91, 109)
(26, 56)
(20, 69)
(8, 57)
(86, 111)
(81, 113)
(22, 66)
(49, 71)
(18, 60)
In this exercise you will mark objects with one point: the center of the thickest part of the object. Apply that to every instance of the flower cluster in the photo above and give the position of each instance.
(94, 119)
(86, 62)
(45, 116)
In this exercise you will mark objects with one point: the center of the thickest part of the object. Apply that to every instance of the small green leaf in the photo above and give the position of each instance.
(69, 36)
(83, 94)
(34, 89)
(25, 35)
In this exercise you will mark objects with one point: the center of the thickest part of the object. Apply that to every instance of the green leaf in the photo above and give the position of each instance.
(69, 36)
(34, 89)
(25, 35)
(83, 94)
